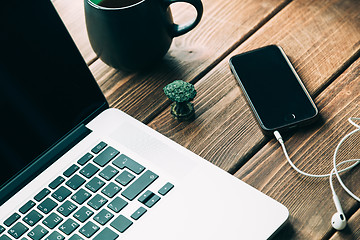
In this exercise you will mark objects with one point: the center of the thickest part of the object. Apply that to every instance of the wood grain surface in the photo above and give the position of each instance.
(322, 40)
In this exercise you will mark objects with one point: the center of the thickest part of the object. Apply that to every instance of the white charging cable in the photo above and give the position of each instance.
(338, 220)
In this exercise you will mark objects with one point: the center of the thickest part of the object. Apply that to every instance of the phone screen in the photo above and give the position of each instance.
(272, 88)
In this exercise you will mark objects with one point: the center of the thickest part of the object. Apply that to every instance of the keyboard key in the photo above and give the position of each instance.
(106, 156)
(103, 216)
(139, 185)
(10, 220)
(38, 233)
(124, 161)
(99, 147)
(84, 159)
(95, 184)
(4, 237)
(2, 229)
(42, 194)
(18, 230)
(89, 170)
(67, 208)
(97, 202)
(76, 237)
(57, 182)
(75, 182)
(26, 207)
(149, 199)
(69, 226)
(71, 170)
(108, 173)
(83, 214)
(61, 194)
(121, 223)
(146, 196)
(32, 218)
(152, 201)
(89, 229)
(166, 188)
(55, 236)
(117, 204)
(111, 190)
(107, 234)
(52, 220)
(81, 196)
(136, 215)
(47, 205)
(124, 178)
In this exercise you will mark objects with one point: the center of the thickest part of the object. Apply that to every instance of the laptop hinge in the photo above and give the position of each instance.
(43, 162)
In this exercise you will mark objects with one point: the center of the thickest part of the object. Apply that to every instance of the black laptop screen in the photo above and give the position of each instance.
(46, 88)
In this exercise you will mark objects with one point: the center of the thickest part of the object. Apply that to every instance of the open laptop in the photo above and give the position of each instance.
(71, 168)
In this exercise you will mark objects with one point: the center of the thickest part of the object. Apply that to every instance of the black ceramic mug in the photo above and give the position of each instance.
(134, 34)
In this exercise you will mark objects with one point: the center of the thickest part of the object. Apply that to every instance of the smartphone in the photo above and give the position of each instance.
(273, 89)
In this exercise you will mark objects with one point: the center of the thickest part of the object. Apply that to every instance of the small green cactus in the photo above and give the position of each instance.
(181, 93)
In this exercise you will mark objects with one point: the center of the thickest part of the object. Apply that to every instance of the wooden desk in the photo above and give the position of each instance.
(322, 40)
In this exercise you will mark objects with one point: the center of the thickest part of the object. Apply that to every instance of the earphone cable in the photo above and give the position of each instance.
(355, 160)
(276, 133)
(334, 171)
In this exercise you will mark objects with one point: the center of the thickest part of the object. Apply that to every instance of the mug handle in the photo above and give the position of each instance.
(177, 30)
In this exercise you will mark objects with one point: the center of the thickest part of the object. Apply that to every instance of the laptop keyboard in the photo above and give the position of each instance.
(89, 195)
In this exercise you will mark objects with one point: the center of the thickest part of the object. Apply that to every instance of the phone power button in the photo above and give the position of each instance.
(289, 117)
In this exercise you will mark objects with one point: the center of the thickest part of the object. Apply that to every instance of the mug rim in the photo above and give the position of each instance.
(110, 9)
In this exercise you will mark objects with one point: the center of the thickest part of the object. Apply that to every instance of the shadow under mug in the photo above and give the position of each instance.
(137, 36)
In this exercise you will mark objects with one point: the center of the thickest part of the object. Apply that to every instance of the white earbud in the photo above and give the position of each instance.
(338, 220)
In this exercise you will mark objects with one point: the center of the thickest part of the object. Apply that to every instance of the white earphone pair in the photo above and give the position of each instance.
(338, 220)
